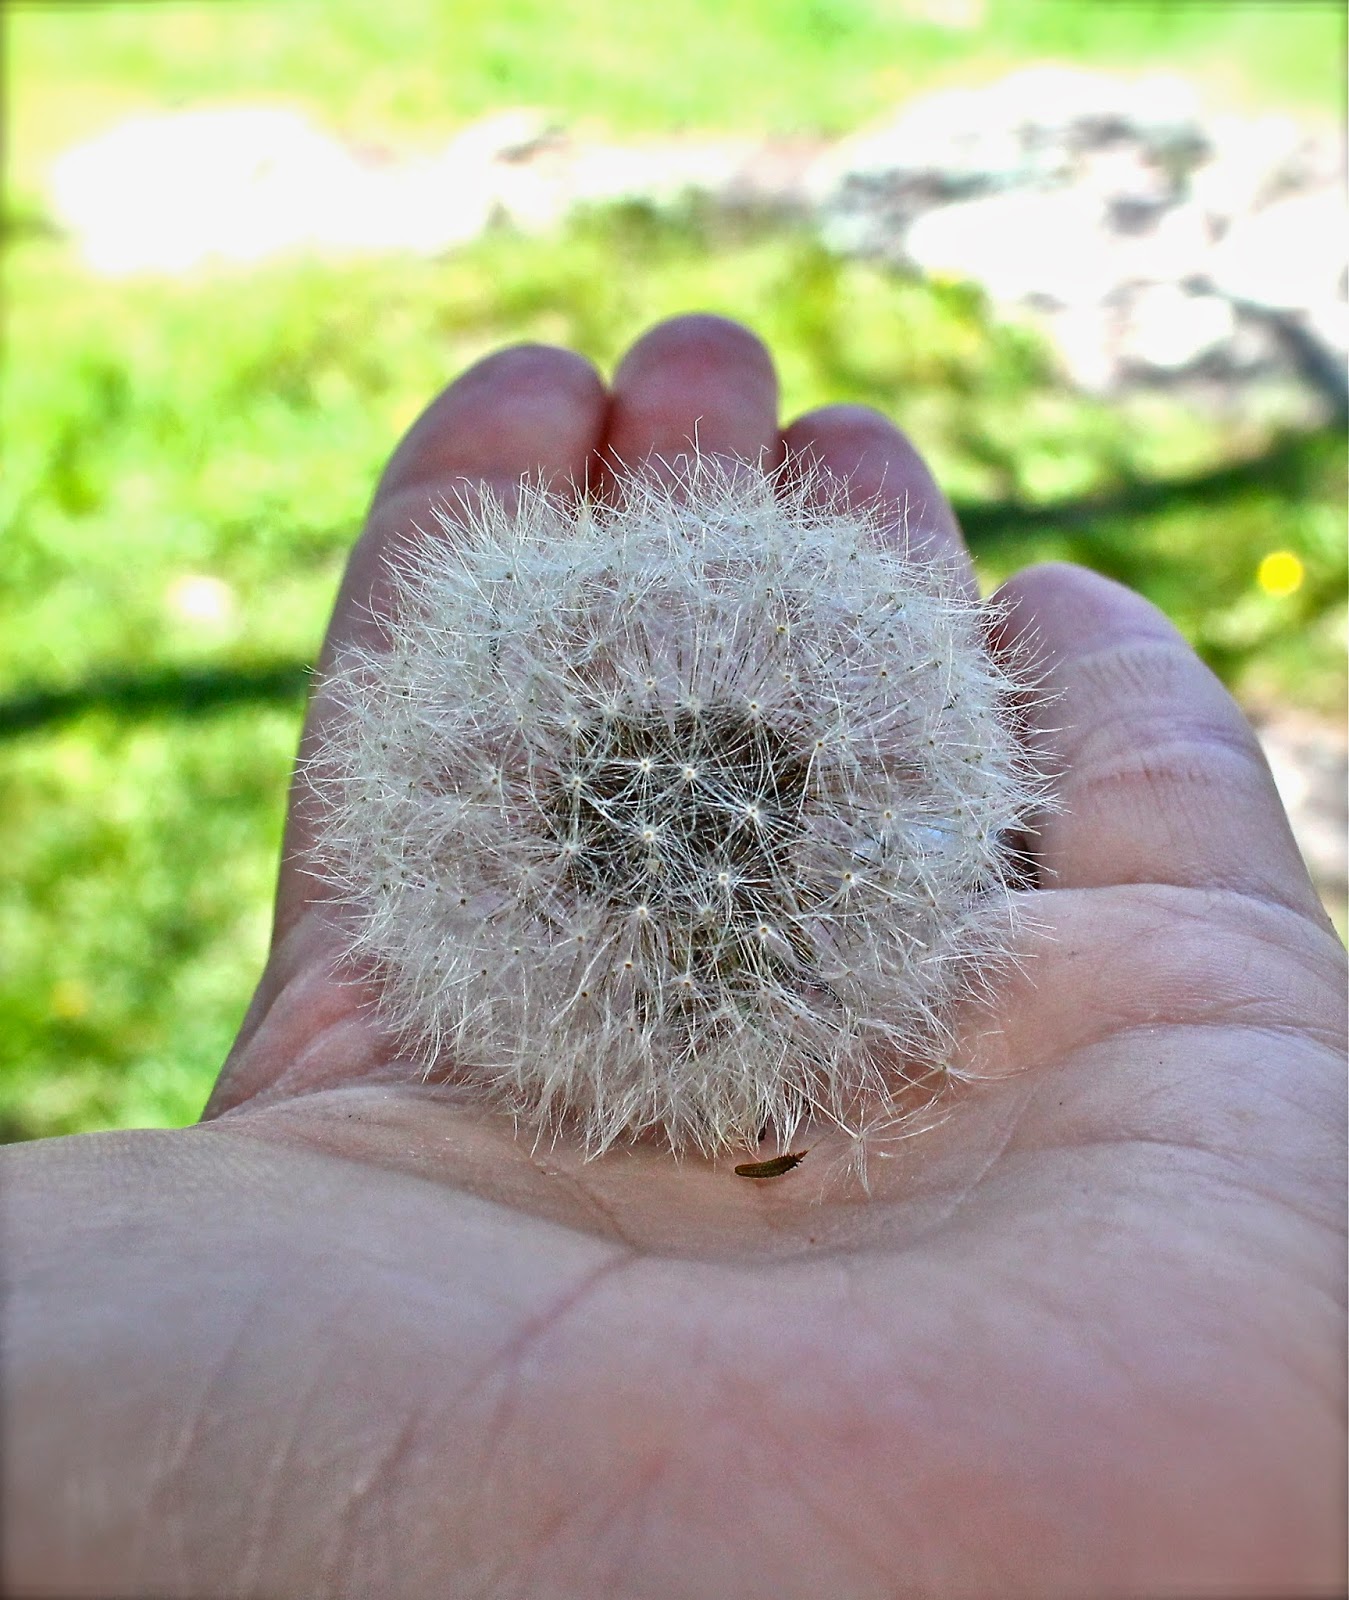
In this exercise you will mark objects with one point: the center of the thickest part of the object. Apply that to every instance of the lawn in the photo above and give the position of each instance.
(419, 68)
(186, 461)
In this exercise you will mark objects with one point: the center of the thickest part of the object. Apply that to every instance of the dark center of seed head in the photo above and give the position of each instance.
(692, 815)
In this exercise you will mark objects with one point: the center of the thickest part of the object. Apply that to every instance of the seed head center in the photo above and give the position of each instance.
(722, 793)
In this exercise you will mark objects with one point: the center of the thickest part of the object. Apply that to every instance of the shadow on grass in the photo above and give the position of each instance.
(1287, 468)
(167, 691)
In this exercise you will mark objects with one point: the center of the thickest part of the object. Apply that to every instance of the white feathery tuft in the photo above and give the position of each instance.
(687, 812)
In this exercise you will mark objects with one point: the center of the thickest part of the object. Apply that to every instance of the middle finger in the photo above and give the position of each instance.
(695, 385)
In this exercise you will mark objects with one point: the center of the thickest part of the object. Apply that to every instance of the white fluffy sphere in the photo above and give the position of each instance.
(686, 812)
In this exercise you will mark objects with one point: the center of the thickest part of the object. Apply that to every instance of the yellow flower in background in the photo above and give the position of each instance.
(1280, 573)
(69, 1000)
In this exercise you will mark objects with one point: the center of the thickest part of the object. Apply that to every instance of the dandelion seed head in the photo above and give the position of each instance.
(697, 709)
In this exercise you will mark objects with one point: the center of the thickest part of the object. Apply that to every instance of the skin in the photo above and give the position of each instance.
(352, 1336)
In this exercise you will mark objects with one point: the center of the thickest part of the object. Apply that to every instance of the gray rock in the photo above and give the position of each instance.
(1155, 245)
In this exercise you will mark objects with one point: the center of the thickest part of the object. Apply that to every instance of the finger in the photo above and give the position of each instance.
(1160, 776)
(696, 385)
(530, 411)
(880, 471)
(525, 409)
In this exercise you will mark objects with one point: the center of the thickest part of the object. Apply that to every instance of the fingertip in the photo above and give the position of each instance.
(530, 408)
(1158, 775)
(694, 383)
(697, 348)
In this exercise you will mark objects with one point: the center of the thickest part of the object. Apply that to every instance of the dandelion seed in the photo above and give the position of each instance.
(691, 709)
(773, 1168)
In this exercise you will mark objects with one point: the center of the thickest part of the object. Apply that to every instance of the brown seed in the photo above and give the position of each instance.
(771, 1169)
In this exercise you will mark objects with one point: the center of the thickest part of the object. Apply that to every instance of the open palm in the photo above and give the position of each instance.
(1083, 1337)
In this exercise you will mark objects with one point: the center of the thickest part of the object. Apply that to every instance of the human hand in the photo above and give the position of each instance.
(352, 1335)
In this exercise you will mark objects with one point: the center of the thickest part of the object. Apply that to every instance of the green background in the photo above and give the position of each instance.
(230, 424)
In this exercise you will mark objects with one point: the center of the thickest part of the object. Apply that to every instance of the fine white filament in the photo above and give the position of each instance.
(684, 813)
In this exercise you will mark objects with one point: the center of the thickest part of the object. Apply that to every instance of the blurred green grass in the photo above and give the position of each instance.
(186, 462)
(422, 67)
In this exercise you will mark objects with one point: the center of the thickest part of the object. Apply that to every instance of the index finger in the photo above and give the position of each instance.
(1161, 777)
(530, 411)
